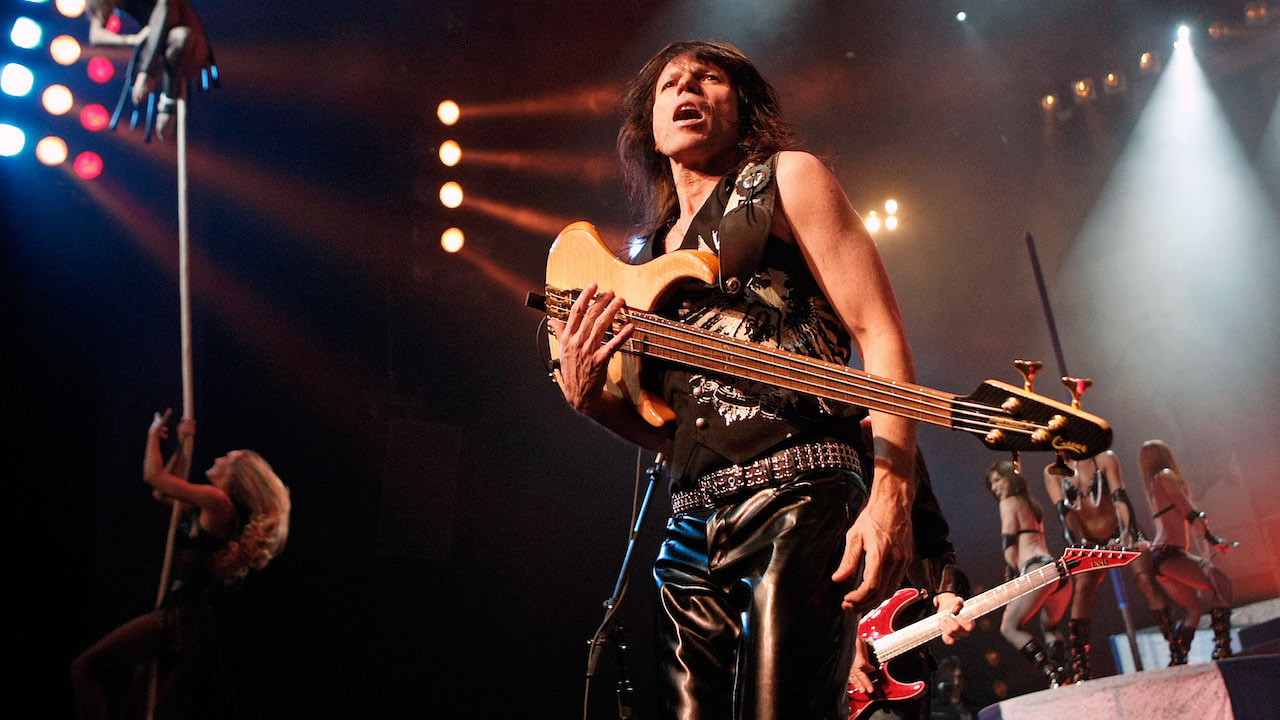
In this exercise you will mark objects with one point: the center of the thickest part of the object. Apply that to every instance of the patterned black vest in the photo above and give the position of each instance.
(722, 421)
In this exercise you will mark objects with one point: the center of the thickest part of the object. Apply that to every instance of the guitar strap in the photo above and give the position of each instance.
(734, 223)
(748, 216)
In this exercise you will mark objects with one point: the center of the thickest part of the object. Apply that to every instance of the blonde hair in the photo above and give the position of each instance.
(1154, 456)
(254, 487)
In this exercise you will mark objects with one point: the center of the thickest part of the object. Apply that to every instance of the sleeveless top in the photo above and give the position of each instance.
(194, 548)
(723, 421)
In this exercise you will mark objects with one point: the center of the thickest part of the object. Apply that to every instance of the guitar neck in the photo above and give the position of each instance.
(659, 337)
(922, 631)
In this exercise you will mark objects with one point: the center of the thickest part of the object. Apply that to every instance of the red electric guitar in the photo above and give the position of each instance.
(886, 643)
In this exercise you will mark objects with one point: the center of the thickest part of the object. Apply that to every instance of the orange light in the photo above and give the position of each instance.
(56, 99)
(452, 240)
(64, 49)
(88, 165)
(1048, 102)
(51, 150)
(450, 153)
(451, 194)
(872, 221)
(70, 8)
(448, 112)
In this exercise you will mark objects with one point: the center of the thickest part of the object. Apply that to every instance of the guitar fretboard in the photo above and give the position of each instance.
(922, 631)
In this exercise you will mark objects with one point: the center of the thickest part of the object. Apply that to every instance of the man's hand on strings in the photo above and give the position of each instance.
(952, 625)
(584, 351)
(863, 675)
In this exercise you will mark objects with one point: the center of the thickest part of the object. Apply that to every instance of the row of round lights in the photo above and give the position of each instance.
(18, 80)
(874, 221)
(450, 153)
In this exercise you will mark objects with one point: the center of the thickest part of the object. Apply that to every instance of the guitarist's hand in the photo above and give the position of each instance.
(879, 542)
(584, 354)
(863, 675)
(953, 626)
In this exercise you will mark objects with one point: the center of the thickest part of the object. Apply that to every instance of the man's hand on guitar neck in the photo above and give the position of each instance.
(584, 352)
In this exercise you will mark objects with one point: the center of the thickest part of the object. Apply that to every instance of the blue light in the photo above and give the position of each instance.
(16, 79)
(26, 33)
(12, 140)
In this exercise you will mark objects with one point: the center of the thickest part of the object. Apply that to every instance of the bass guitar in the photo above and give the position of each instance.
(1005, 417)
(886, 643)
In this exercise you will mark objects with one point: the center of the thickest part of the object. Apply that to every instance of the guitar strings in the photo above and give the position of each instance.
(928, 407)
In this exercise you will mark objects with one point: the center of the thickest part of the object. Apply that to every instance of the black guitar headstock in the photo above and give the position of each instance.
(1013, 419)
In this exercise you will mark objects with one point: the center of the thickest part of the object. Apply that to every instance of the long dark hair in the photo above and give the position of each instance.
(1017, 485)
(647, 174)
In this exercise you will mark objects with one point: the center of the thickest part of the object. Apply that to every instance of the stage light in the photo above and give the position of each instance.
(891, 206)
(70, 8)
(26, 33)
(94, 117)
(65, 50)
(450, 153)
(961, 16)
(88, 165)
(12, 140)
(451, 194)
(448, 112)
(51, 151)
(1049, 102)
(452, 239)
(1255, 13)
(1184, 36)
(872, 221)
(1149, 62)
(1083, 90)
(1114, 83)
(101, 70)
(56, 99)
(891, 222)
(113, 23)
(16, 79)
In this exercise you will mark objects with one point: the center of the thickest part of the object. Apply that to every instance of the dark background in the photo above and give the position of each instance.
(456, 527)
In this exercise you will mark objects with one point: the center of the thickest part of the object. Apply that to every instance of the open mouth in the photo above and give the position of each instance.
(687, 113)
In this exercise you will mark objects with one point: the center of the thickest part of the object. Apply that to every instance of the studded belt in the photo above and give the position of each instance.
(768, 471)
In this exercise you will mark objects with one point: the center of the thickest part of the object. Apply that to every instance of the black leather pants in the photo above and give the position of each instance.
(751, 623)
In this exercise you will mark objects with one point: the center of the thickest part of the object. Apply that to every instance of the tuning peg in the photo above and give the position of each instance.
(1076, 386)
(1060, 466)
(1028, 368)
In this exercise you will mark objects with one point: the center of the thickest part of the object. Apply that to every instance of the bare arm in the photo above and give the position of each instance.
(99, 13)
(847, 266)
(216, 509)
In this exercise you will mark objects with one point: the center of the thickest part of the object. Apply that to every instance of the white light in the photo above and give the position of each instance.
(872, 221)
(961, 16)
(1184, 32)
(12, 140)
(891, 206)
(16, 79)
(891, 222)
(26, 33)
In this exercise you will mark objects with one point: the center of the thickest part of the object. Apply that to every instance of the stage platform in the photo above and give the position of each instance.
(1256, 630)
(1241, 688)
